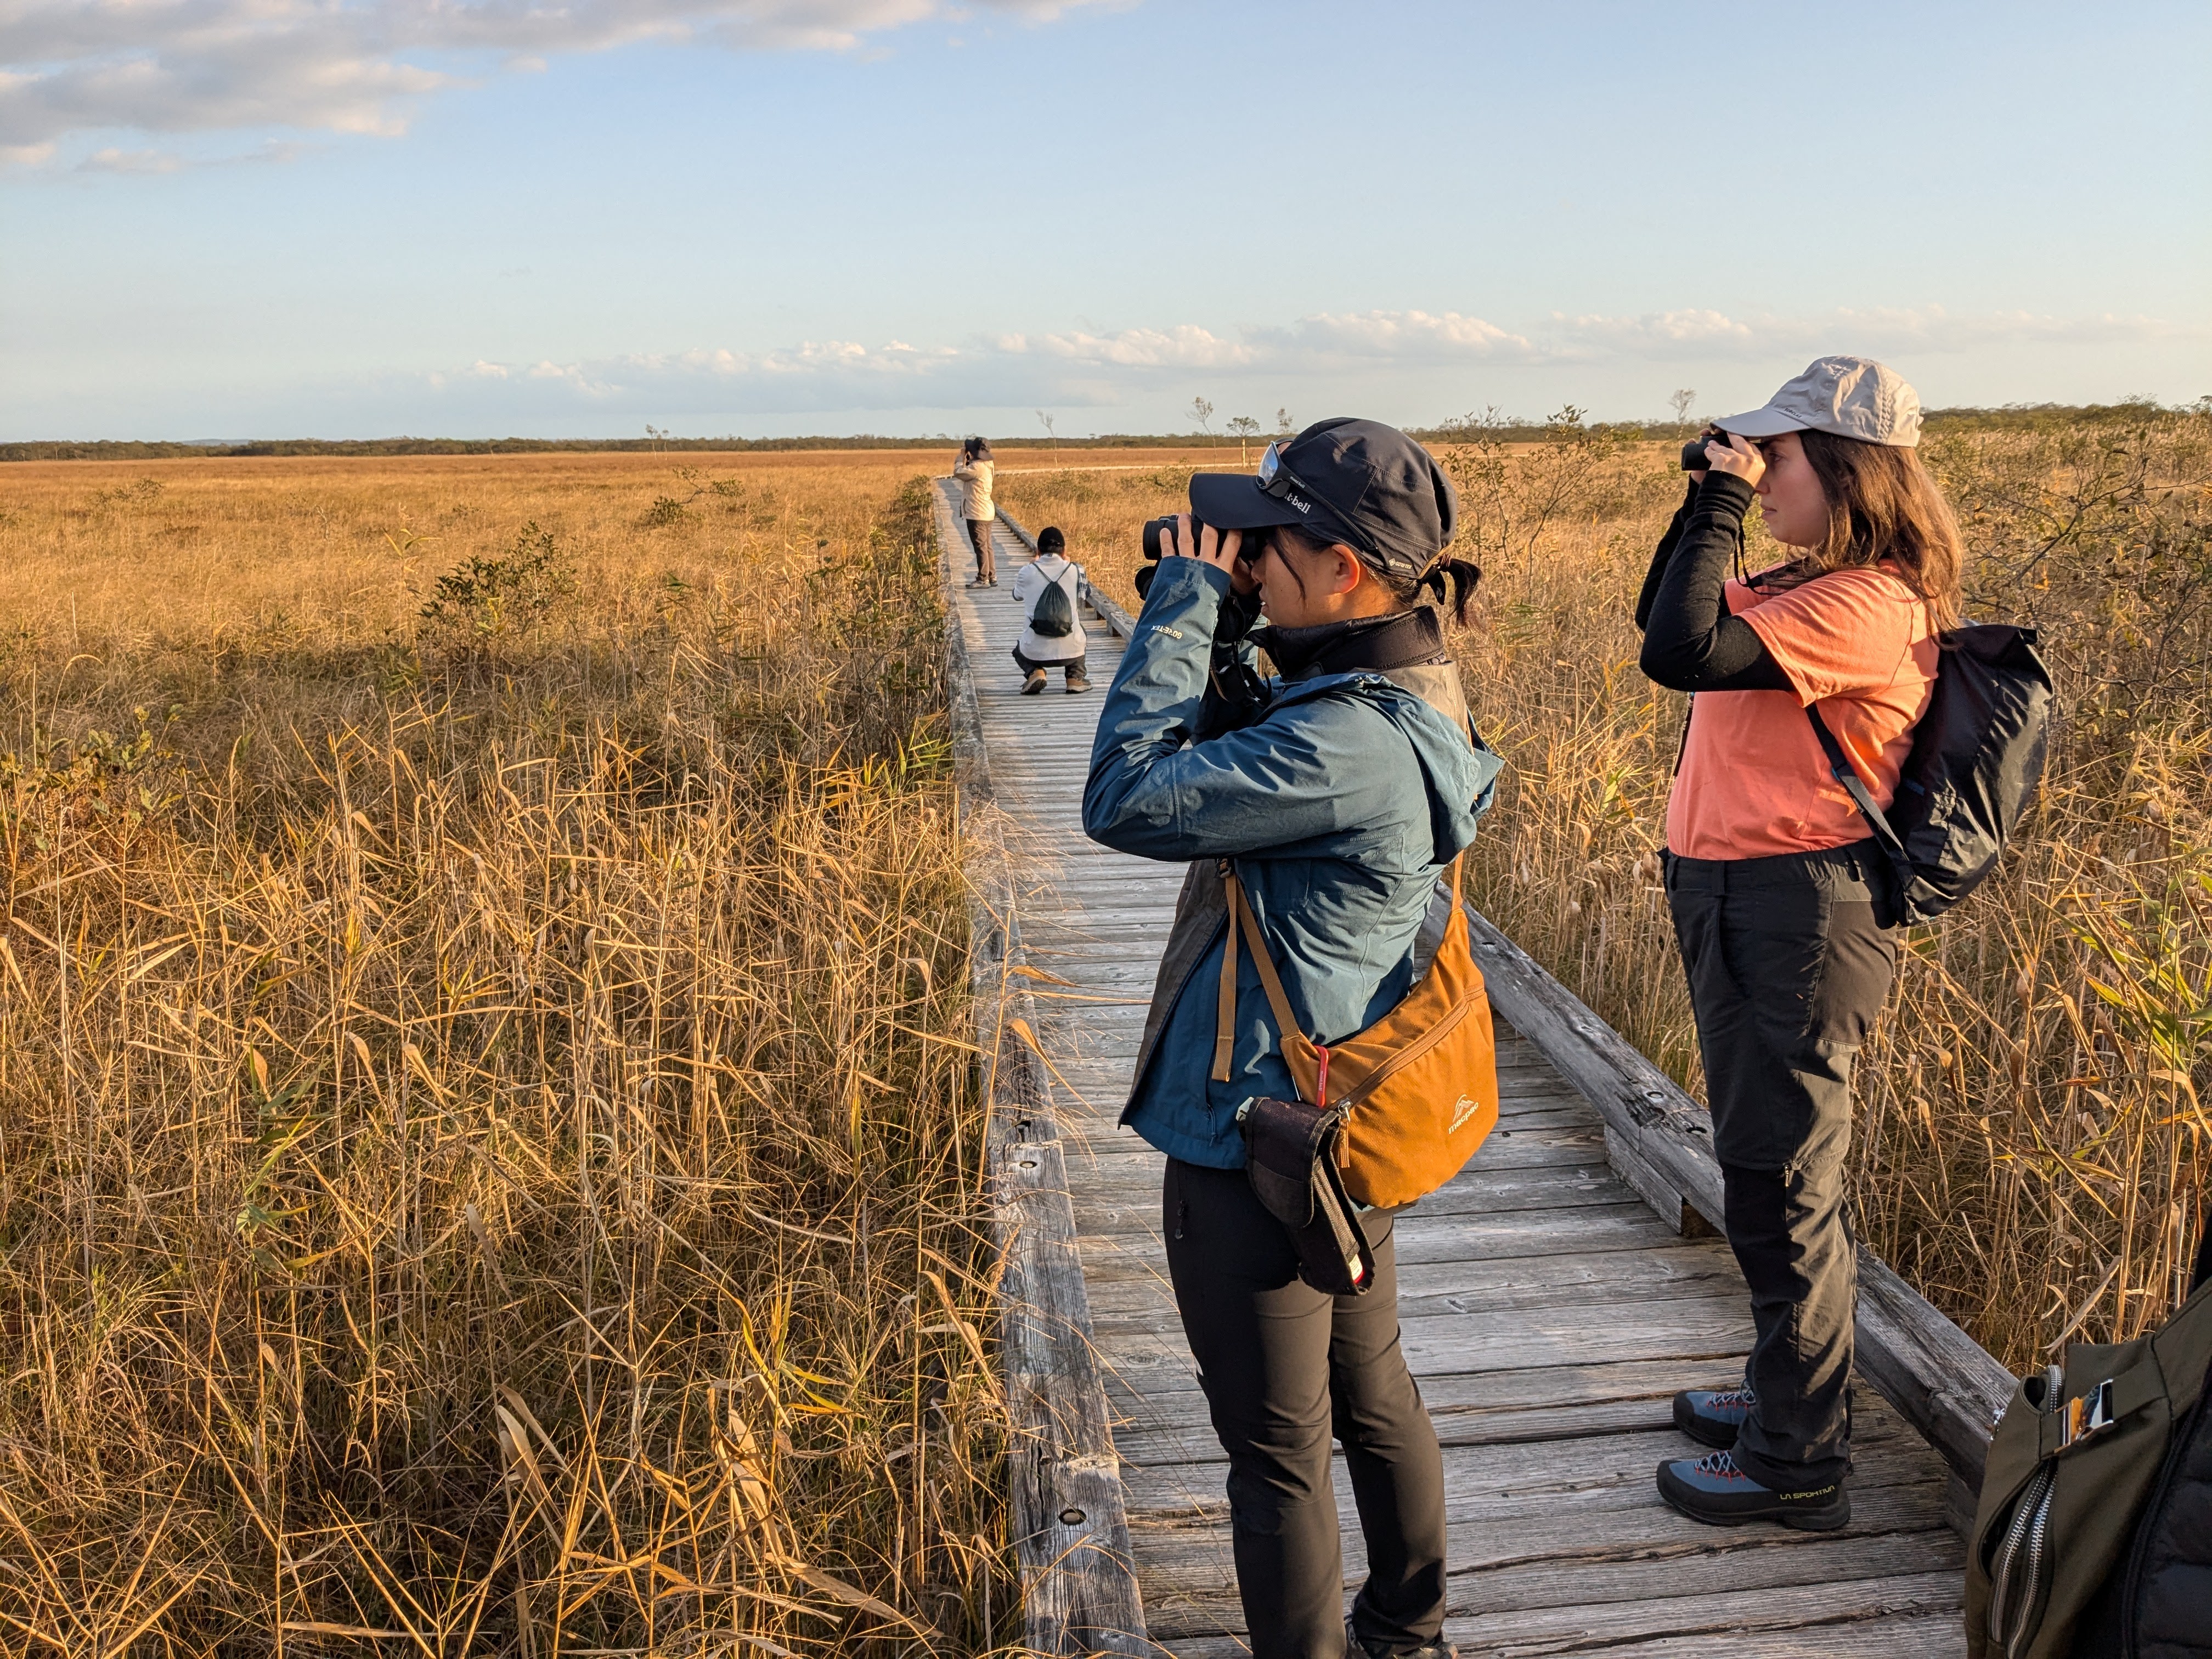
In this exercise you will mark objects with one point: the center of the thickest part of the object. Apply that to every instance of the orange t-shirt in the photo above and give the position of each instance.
(1753, 781)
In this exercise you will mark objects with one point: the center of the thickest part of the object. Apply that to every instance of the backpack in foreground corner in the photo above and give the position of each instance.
(2093, 1538)
(1976, 757)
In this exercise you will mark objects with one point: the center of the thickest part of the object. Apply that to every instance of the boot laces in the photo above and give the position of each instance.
(1721, 1464)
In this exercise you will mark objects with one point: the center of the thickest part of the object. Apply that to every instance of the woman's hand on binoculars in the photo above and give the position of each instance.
(1218, 548)
(1730, 453)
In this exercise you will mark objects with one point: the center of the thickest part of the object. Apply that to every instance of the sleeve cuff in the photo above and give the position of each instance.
(1725, 492)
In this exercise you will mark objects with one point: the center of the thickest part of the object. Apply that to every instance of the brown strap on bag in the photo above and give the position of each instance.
(1224, 1027)
(1308, 1059)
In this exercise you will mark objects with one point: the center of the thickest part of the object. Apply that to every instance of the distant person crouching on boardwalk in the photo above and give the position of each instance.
(1334, 796)
(974, 470)
(1785, 906)
(1050, 588)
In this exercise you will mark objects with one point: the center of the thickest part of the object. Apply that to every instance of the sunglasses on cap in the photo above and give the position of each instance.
(1276, 479)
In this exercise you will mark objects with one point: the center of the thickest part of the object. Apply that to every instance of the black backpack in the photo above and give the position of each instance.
(1976, 757)
(1054, 616)
(2093, 1536)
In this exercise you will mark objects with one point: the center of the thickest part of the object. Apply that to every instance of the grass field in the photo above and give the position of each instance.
(490, 1158)
(2030, 1149)
(490, 1153)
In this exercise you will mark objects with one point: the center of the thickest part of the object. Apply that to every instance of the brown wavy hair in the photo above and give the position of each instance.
(1882, 507)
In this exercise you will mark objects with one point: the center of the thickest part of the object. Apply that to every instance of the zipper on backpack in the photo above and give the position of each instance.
(2017, 1579)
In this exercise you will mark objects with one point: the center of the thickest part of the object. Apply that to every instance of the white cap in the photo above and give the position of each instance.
(1849, 397)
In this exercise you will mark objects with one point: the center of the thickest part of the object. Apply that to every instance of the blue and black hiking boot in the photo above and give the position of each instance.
(1711, 1416)
(1355, 1647)
(1712, 1489)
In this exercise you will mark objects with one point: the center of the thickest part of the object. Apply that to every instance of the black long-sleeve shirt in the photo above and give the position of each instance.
(1691, 642)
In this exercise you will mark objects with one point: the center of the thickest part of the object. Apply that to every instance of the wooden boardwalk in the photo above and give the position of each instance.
(1549, 1311)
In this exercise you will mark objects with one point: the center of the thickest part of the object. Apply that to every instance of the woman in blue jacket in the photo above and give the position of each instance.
(1339, 792)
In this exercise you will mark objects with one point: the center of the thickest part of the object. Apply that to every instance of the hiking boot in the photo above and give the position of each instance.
(1712, 1489)
(1034, 684)
(1078, 683)
(1711, 1416)
(1356, 1648)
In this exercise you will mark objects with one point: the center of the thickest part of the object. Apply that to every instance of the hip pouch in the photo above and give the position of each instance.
(1413, 1096)
(1291, 1159)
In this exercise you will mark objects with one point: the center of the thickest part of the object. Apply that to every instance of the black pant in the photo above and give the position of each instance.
(1281, 1365)
(1071, 667)
(979, 533)
(1789, 961)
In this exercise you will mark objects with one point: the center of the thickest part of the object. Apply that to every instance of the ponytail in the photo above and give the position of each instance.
(1452, 581)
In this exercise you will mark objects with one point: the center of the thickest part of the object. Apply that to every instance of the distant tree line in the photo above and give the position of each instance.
(1506, 428)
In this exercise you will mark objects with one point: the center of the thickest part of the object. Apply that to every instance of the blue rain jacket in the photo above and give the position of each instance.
(1338, 804)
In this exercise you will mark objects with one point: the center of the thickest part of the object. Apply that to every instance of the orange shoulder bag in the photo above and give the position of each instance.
(1417, 1091)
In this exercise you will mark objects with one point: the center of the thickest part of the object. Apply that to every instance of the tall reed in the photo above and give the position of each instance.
(490, 1160)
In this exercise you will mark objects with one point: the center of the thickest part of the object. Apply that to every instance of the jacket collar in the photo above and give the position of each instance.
(1372, 642)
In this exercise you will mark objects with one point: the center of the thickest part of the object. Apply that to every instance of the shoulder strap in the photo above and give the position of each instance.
(1840, 765)
(1224, 1020)
(1277, 998)
(1278, 1001)
(1287, 1024)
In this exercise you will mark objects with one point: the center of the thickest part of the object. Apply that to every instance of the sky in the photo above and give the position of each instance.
(470, 218)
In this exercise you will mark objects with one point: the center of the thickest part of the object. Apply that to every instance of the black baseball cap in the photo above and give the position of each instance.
(1360, 482)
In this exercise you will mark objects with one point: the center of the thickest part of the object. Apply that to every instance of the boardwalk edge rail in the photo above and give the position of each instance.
(1069, 1520)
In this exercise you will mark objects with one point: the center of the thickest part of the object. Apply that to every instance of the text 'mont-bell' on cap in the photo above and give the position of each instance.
(1360, 482)
(1846, 397)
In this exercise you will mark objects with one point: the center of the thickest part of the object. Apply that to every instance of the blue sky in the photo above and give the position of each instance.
(351, 218)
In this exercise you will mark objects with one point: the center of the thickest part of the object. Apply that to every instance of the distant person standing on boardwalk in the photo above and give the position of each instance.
(974, 470)
(1049, 587)
(1784, 905)
(1338, 793)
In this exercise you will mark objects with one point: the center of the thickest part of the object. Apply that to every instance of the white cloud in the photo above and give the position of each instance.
(1872, 332)
(1090, 369)
(113, 159)
(181, 66)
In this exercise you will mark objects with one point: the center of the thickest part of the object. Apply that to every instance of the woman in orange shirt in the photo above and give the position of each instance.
(1784, 905)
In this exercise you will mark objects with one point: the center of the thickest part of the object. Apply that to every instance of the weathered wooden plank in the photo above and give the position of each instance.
(1511, 1338)
(1068, 1521)
(1936, 1634)
(1924, 1365)
(1555, 1281)
(1115, 1200)
(1516, 1480)
(1446, 1251)
(1553, 1567)
(1571, 1146)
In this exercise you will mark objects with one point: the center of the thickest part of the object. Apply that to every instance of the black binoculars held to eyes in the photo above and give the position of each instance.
(1694, 458)
(1157, 530)
(1693, 452)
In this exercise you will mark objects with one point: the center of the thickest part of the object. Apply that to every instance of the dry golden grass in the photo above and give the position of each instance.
(490, 1157)
(2030, 1149)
